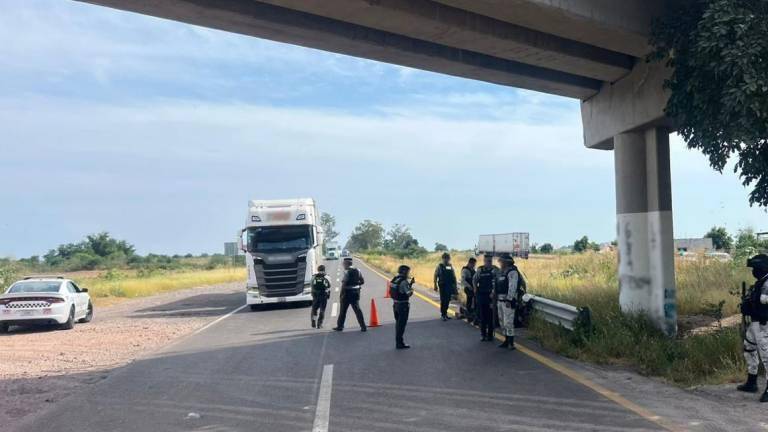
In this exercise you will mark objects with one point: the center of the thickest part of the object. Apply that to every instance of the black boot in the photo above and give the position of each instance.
(314, 325)
(320, 323)
(764, 397)
(750, 386)
(505, 344)
(512, 343)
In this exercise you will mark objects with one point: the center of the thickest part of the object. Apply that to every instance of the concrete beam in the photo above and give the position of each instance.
(617, 25)
(637, 101)
(295, 27)
(449, 26)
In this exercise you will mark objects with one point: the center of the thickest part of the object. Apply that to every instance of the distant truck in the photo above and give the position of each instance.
(282, 243)
(332, 251)
(516, 244)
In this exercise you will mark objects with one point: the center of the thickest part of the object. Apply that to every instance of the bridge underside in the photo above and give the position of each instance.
(592, 50)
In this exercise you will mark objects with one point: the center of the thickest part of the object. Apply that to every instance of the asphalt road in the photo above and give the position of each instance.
(269, 371)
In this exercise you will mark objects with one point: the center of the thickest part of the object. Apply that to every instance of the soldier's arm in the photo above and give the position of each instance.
(360, 275)
(764, 293)
(327, 283)
(512, 279)
(437, 272)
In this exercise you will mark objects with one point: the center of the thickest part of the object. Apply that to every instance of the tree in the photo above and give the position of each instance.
(439, 247)
(546, 248)
(366, 236)
(401, 242)
(719, 84)
(747, 242)
(328, 224)
(720, 238)
(583, 244)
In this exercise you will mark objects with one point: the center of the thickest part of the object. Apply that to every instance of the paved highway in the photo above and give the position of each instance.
(269, 371)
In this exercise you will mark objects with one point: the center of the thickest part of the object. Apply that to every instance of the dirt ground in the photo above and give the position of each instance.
(39, 366)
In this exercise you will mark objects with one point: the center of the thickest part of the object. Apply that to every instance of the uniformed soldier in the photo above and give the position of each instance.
(401, 290)
(509, 284)
(485, 277)
(755, 309)
(321, 290)
(350, 295)
(467, 278)
(445, 283)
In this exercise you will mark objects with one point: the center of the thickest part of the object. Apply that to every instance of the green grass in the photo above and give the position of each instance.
(590, 280)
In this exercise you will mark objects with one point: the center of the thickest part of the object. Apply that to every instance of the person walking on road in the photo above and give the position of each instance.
(445, 283)
(350, 295)
(401, 290)
(467, 278)
(754, 307)
(509, 284)
(321, 290)
(485, 277)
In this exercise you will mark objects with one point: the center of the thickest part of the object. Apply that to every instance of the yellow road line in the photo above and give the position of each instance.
(570, 373)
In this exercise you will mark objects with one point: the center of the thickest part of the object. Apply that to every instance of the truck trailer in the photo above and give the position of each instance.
(516, 244)
(282, 245)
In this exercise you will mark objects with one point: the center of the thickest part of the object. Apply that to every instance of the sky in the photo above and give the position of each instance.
(160, 132)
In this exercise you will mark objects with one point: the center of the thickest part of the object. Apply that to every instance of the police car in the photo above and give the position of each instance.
(44, 300)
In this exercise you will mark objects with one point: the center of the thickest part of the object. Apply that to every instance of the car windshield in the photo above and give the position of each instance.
(280, 238)
(34, 287)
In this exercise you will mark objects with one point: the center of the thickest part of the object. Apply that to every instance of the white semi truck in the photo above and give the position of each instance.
(332, 251)
(516, 244)
(282, 244)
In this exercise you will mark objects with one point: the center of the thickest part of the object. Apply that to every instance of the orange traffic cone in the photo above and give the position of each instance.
(374, 315)
(389, 286)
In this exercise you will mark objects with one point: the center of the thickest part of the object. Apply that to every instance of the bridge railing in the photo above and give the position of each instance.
(565, 315)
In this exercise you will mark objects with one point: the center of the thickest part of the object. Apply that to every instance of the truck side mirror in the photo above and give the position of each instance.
(240, 243)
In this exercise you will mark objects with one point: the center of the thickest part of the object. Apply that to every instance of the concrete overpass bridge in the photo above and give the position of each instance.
(591, 50)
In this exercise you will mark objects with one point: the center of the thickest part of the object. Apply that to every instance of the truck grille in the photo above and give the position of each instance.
(280, 280)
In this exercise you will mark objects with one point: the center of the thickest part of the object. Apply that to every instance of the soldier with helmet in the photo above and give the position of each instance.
(507, 290)
(754, 307)
(445, 283)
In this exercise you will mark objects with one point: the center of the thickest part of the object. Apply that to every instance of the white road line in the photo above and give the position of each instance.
(335, 308)
(219, 319)
(323, 412)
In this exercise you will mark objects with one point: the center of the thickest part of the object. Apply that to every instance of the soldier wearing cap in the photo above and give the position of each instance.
(401, 290)
(350, 295)
(483, 281)
(445, 283)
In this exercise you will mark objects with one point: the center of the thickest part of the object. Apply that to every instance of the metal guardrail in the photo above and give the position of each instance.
(558, 313)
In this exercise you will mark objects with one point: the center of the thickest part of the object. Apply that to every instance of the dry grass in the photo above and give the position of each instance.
(117, 285)
(591, 280)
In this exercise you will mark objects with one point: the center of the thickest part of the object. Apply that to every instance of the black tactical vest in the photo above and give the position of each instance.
(318, 284)
(485, 281)
(395, 292)
(445, 276)
(758, 311)
(502, 282)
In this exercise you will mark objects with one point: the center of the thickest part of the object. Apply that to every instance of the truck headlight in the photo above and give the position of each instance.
(307, 289)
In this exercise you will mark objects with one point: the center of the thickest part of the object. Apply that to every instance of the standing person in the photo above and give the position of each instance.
(483, 282)
(467, 282)
(350, 295)
(401, 290)
(321, 290)
(508, 285)
(754, 307)
(445, 282)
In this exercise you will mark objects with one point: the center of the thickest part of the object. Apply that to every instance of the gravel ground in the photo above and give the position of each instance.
(39, 366)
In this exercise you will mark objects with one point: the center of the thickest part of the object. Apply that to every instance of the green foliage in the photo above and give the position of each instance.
(367, 235)
(546, 248)
(720, 238)
(96, 251)
(583, 244)
(328, 224)
(719, 85)
(401, 243)
(439, 247)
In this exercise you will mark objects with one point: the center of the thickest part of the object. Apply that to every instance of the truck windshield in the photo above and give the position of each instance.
(280, 238)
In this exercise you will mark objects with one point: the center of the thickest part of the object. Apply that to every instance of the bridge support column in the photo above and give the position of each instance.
(644, 217)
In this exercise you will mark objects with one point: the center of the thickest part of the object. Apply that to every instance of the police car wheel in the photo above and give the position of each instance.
(70, 323)
(4, 328)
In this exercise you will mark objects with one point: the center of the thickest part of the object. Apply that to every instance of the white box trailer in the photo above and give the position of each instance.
(516, 244)
(282, 244)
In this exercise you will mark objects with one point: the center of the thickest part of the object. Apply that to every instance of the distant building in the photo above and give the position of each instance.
(695, 245)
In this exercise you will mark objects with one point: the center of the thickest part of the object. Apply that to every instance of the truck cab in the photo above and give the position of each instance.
(281, 241)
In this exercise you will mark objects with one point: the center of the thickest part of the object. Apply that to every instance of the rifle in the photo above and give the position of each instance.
(743, 317)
